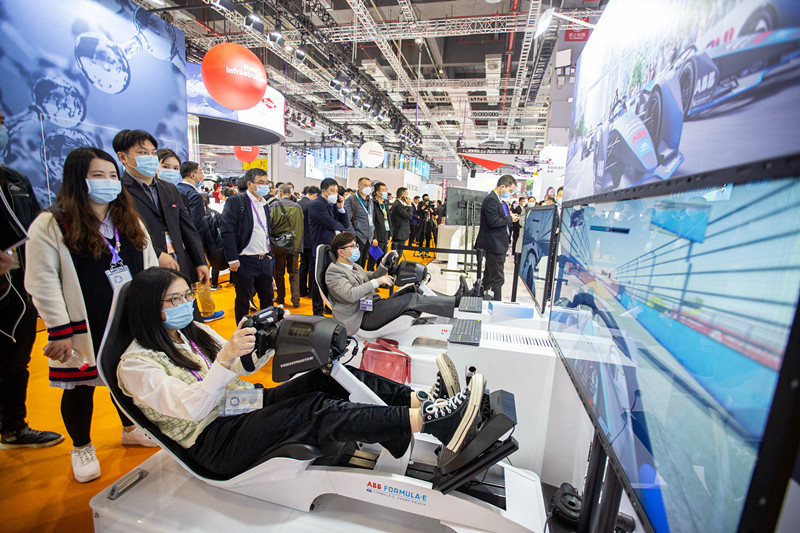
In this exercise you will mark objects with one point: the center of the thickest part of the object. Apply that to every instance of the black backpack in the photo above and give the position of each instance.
(211, 233)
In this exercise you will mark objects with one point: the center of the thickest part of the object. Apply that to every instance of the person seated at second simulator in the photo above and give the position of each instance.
(178, 373)
(353, 292)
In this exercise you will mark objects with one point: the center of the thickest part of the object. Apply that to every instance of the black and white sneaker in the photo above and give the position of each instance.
(447, 384)
(29, 438)
(452, 420)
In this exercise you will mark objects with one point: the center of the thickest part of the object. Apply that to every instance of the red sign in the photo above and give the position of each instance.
(576, 32)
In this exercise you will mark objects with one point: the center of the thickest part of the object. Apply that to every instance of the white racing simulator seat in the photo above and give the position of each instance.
(295, 474)
(408, 275)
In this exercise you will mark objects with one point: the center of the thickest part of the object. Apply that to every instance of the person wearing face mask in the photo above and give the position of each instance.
(175, 239)
(246, 233)
(382, 224)
(516, 209)
(494, 233)
(326, 218)
(286, 218)
(401, 220)
(360, 213)
(353, 292)
(85, 246)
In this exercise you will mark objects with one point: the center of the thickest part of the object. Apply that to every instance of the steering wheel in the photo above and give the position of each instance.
(391, 264)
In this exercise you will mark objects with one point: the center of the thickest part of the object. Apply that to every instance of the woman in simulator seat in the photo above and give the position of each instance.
(352, 291)
(178, 373)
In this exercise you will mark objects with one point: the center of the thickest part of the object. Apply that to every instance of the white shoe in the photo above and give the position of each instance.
(85, 465)
(137, 437)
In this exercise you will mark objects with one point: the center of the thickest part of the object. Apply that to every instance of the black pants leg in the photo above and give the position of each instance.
(305, 271)
(280, 277)
(399, 246)
(263, 283)
(386, 310)
(77, 406)
(493, 276)
(372, 263)
(14, 358)
(363, 248)
(316, 299)
(301, 412)
(214, 277)
(253, 274)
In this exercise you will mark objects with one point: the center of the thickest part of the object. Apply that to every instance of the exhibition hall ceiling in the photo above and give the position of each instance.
(433, 75)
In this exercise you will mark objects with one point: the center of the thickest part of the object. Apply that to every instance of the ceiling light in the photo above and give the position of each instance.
(224, 4)
(157, 2)
(254, 17)
(275, 38)
(300, 54)
(419, 40)
(346, 88)
(357, 96)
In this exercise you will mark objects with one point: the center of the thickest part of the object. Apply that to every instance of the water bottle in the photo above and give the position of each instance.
(76, 360)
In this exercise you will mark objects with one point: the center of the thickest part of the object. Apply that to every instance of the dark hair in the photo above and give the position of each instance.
(377, 185)
(340, 241)
(127, 139)
(143, 308)
(73, 210)
(311, 190)
(342, 191)
(252, 173)
(241, 184)
(560, 189)
(362, 178)
(327, 183)
(276, 185)
(166, 153)
(506, 180)
(187, 167)
(549, 198)
(401, 191)
(227, 193)
(416, 198)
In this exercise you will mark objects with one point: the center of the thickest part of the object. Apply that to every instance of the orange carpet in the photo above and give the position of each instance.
(38, 492)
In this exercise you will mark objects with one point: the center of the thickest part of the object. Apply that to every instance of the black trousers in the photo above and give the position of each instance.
(412, 238)
(399, 246)
(372, 263)
(15, 356)
(306, 268)
(77, 406)
(363, 249)
(317, 304)
(493, 276)
(287, 264)
(402, 301)
(311, 409)
(253, 274)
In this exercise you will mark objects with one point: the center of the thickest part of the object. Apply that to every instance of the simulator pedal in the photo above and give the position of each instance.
(465, 332)
(470, 304)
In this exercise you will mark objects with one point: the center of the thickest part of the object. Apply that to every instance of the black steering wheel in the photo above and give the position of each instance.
(391, 263)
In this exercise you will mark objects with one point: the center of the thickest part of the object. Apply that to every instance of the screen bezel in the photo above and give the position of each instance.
(547, 292)
(781, 439)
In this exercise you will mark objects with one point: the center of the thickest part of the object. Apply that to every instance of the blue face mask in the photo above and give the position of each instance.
(3, 138)
(262, 190)
(103, 190)
(180, 316)
(384, 195)
(355, 255)
(169, 175)
(505, 195)
(147, 164)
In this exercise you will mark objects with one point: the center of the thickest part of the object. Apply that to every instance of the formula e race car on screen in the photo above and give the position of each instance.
(640, 139)
(723, 72)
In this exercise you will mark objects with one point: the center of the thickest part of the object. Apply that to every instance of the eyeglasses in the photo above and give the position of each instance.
(354, 245)
(178, 299)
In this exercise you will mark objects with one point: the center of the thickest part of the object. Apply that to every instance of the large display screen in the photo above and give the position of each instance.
(539, 238)
(673, 319)
(668, 88)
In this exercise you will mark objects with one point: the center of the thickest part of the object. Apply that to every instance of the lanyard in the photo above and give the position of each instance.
(115, 257)
(383, 208)
(362, 205)
(208, 363)
(262, 224)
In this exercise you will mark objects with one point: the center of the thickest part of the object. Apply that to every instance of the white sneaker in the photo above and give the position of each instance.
(85, 465)
(137, 437)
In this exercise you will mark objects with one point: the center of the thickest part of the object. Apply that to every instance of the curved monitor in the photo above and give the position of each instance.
(673, 320)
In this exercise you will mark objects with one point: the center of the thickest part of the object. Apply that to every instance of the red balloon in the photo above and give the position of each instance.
(234, 76)
(248, 154)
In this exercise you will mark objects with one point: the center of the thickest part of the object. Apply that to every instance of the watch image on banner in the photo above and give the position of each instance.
(670, 88)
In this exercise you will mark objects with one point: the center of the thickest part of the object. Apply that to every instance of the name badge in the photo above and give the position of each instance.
(118, 276)
(366, 303)
(386, 224)
(170, 246)
(371, 222)
(241, 401)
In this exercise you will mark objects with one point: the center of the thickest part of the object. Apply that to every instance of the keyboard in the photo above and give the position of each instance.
(465, 332)
(471, 304)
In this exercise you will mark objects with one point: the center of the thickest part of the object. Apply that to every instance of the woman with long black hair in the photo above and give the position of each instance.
(89, 242)
(178, 373)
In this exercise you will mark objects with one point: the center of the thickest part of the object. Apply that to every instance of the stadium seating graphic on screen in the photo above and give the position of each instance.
(534, 258)
(673, 316)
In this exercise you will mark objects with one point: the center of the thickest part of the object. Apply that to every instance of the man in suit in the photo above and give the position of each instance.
(326, 218)
(245, 232)
(414, 221)
(494, 233)
(310, 194)
(175, 239)
(401, 220)
(353, 292)
(286, 218)
(360, 212)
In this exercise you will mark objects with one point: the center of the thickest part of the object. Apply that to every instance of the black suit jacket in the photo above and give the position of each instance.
(401, 221)
(493, 233)
(237, 225)
(324, 220)
(304, 202)
(172, 216)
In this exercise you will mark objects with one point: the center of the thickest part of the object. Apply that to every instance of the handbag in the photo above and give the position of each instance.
(384, 358)
(284, 244)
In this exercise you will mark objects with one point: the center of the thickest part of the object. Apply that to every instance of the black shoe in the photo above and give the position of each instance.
(253, 305)
(453, 420)
(29, 438)
(463, 290)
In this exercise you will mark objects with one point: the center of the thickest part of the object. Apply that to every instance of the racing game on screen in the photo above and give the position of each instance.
(534, 258)
(668, 88)
(673, 316)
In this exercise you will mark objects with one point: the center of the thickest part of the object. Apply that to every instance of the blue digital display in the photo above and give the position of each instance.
(673, 321)
(534, 258)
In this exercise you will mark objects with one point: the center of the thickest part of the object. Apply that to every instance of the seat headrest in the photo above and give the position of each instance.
(324, 259)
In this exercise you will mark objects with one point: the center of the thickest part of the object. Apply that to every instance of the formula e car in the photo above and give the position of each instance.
(641, 137)
(718, 74)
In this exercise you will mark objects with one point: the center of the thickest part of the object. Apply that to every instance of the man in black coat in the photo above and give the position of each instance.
(326, 218)
(381, 223)
(494, 233)
(174, 237)
(310, 194)
(401, 214)
(245, 232)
